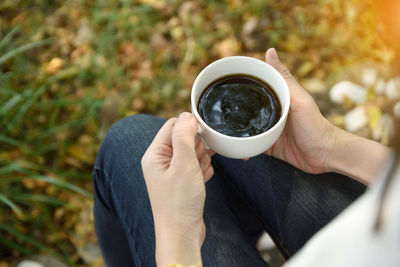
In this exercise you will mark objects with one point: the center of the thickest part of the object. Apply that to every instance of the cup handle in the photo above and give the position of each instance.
(200, 129)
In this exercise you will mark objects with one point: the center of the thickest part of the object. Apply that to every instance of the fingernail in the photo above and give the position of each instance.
(272, 54)
(185, 116)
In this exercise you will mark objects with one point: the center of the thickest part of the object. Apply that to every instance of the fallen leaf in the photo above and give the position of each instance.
(227, 47)
(305, 68)
(374, 115)
(314, 85)
(54, 65)
(82, 154)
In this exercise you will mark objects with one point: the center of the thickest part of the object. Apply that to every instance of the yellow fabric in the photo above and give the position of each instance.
(181, 265)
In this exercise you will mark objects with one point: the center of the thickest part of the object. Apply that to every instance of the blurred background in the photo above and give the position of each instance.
(70, 69)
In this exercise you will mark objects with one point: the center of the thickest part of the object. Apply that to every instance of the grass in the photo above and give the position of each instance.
(29, 188)
(69, 69)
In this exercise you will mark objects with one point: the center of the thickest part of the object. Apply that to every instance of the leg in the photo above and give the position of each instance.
(123, 216)
(292, 205)
(110, 233)
(123, 219)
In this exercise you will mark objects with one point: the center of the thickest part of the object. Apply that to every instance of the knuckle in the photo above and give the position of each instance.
(182, 128)
(179, 130)
(207, 157)
(285, 72)
(200, 150)
(145, 160)
(201, 146)
(203, 166)
(198, 140)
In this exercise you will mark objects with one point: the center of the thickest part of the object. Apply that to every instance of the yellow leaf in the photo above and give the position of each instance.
(54, 65)
(305, 68)
(81, 154)
(159, 4)
(177, 33)
(374, 115)
(371, 95)
(337, 119)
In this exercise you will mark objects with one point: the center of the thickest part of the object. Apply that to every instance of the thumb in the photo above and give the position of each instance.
(296, 91)
(271, 57)
(184, 138)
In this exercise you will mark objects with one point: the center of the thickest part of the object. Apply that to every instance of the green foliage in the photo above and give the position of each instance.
(22, 182)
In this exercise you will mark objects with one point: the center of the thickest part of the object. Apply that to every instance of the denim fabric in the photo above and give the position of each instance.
(243, 200)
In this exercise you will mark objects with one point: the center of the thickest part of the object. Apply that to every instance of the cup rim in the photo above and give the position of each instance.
(285, 110)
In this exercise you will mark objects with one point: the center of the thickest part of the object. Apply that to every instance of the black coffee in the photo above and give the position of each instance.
(239, 105)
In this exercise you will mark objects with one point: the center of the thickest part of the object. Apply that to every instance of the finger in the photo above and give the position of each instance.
(164, 135)
(198, 140)
(208, 173)
(200, 150)
(271, 57)
(211, 152)
(200, 145)
(245, 159)
(184, 134)
(272, 149)
(204, 161)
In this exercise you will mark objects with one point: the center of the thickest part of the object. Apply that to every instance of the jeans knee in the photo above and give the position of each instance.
(132, 125)
(128, 137)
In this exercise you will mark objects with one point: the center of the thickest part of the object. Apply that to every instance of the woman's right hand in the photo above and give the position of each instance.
(308, 139)
(311, 143)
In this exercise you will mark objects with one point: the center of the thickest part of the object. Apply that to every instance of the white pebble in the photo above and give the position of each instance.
(29, 263)
(355, 119)
(250, 26)
(380, 87)
(369, 76)
(392, 89)
(396, 110)
(354, 92)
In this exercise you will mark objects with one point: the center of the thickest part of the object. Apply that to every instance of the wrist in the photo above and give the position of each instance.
(177, 250)
(357, 157)
(178, 246)
(331, 146)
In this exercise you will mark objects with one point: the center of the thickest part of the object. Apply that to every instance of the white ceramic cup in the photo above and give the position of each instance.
(240, 147)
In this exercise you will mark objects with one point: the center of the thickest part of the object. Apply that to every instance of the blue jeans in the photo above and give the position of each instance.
(243, 200)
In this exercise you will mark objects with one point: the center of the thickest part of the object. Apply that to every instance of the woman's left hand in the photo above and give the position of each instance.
(175, 167)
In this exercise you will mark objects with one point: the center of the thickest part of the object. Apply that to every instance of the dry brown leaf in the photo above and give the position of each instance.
(137, 104)
(227, 47)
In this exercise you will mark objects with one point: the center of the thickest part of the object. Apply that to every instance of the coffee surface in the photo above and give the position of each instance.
(239, 105)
